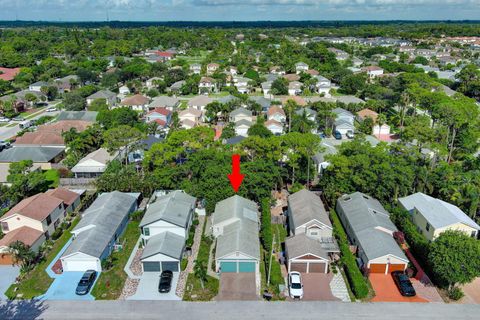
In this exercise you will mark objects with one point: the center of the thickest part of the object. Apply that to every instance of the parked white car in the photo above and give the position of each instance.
(4, 120)
(295, 285)
(51, 109)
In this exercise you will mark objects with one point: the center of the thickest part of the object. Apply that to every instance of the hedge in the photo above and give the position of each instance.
(355, 277)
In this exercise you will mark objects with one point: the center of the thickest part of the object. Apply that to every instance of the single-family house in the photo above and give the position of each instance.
(367, 113)
(177, 86)
(242, 126)
(301, 67)
(212, 68)
(41, 156)
(152, 82)
(240, 114)
(433, 216)
(339, 54)
(207, 85)
(323, 86)
(369, 228)
(344, 120)
(191, 117)
(8, 74)
(196, 68)
(306, 255)
(162, 116)
(98, 232)
(137, 102)
(276, 113)
(93, 164)
(381, 129)
(89, 116)
(107, 95)
(311, 114)
(266, 89)
(319, 158)
(277, 70)
(295, 88)
(123, 90)
(235, 226)
(199, 102)
(373, 71)
(37, 86)
(241, 83)
(171, 103)
(274, 126)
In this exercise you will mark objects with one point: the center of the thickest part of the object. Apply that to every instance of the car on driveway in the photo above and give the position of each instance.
(403, 284)
(4, 120)
(295, 285)
(51, 109)
(86, 282)
(165, 283)
(4, 145)
(337, 135)
(350, 134)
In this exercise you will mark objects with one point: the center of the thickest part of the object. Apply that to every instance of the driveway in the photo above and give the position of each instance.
(316, 287)
(237, 286)
(8, 274)
(148, 288)
(64, 285)
(472, 292)
(386, 290)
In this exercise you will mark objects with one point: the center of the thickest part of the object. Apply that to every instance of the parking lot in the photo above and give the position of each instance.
(148, 288)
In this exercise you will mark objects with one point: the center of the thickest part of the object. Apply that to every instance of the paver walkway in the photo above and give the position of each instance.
(339, 288)
(182, 280)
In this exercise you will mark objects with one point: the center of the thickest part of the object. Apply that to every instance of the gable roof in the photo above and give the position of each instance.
(167, 243)
(100, 222)
(101, 156)
(437, 212)
(195, 112)
(34, 153)
(40, 138)
(162, 111)
(300, 245)
(241, 111)
(174, 207)
(164, 101)
(367, 113)
(102, 94)
(366, 216)
(37, 207)
(26, 235)
(90, 116)
(136, 100)
(305, 206)
(8, 74)
(200, 101)
(64, 194)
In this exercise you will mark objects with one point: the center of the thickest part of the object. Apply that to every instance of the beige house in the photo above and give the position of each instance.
(434, 216)
(190, 115)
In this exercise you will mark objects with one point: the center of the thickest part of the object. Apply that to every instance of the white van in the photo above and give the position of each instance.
(25, 124)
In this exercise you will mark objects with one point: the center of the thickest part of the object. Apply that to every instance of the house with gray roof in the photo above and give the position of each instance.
(41, 156)
(344, 120)
(90, 116)
(370, 230)
(170, 103)
(235, 225)
(107, 95)
(319, 158)
(99, 231)
(164, 230)
(306, 255)
(94, 164)
(433, 216)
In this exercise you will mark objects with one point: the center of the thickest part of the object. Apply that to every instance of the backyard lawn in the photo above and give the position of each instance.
(110, 284)
(52, 176)
(37, 281)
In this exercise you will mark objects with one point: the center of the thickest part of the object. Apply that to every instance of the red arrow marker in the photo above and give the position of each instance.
(236, 177)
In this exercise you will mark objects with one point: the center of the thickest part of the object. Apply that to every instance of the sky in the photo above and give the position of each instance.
(238, 10)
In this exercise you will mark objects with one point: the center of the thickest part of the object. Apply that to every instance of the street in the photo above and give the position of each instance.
(232, 310)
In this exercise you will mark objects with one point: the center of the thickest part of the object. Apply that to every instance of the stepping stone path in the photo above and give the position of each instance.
(339, 288)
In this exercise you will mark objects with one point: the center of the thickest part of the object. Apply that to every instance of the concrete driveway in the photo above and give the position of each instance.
(8, 274)
(64, 285)
(472, 292)
(316, 287)
(148, 288)
(237, 286)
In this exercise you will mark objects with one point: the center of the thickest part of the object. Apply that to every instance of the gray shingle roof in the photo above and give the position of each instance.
(36, 154)
(365, 215)
(103, 218)
(437, 212)
(163, 101)
(167, 243)
(78, 115)
(175, 207)
(103, 94)
(306, 206)
(300, 245)
(241, 233)
(239, 111)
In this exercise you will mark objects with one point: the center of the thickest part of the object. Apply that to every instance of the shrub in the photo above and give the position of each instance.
(137, 215)
(455, 293)
(183, 264)
(57, 233)
(266, 226)
(357, 282)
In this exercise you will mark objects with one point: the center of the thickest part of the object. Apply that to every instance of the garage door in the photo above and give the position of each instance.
(170, 265)
(378, 267)
(228, 266)
(396, 267)
(151, 266)
(316, 267)
(246, 267)
(298, 266)
(80, 265)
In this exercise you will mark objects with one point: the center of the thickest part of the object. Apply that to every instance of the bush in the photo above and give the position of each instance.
(57, 234)
(266, 226)
(183, 264)
(356, 279)
(137, 215)
(455, 293)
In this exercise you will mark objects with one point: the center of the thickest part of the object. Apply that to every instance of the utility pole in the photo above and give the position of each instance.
(270, 261)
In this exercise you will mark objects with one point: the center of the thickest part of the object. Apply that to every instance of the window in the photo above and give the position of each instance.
(314, 233)
(427, 227)
(146, 231)
(5, 226)
(49, 220)
(473, 234)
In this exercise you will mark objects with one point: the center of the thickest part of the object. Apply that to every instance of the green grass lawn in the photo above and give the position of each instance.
(52, 176)
(195, 292)
(110, 284)
(37, 281)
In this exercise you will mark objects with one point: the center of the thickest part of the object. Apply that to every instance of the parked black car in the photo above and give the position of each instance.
(403, 283)
(165, 283)
(337, 135)
(86, 282)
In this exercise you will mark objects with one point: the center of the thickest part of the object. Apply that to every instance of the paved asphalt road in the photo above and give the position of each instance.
(133, 310)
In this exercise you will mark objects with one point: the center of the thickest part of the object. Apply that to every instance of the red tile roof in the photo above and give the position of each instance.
(275, 109)
(8, 74)
(160, 110)
(164, 54)
(160, 122)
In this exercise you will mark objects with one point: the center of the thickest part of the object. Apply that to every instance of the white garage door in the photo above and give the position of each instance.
(81, 265)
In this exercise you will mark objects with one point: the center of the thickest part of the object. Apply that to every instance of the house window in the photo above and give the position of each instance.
(473, 234)
(146, 231)
(314, 233)
(5, 226)
(427, 227)
(49, 220)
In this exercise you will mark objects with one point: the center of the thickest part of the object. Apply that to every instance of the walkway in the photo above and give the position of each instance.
(339, 288)
(182, 280)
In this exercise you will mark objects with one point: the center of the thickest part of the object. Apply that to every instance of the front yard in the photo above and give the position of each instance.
(37, 281)
(110, 283)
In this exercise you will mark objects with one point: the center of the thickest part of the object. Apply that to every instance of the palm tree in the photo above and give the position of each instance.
(200, 271)
(23, 255)
(381, 120)
(290, 107)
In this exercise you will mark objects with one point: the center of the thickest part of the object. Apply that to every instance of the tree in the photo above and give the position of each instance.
(98, 105)
(228, 131)
(122, 138)
(50, 91)
(200, 271)
(23, 255)
(455, 258)
(279, 86)
(74, 102)
(290, 107)
(301, 123)
(119, 116)
(259, 129)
